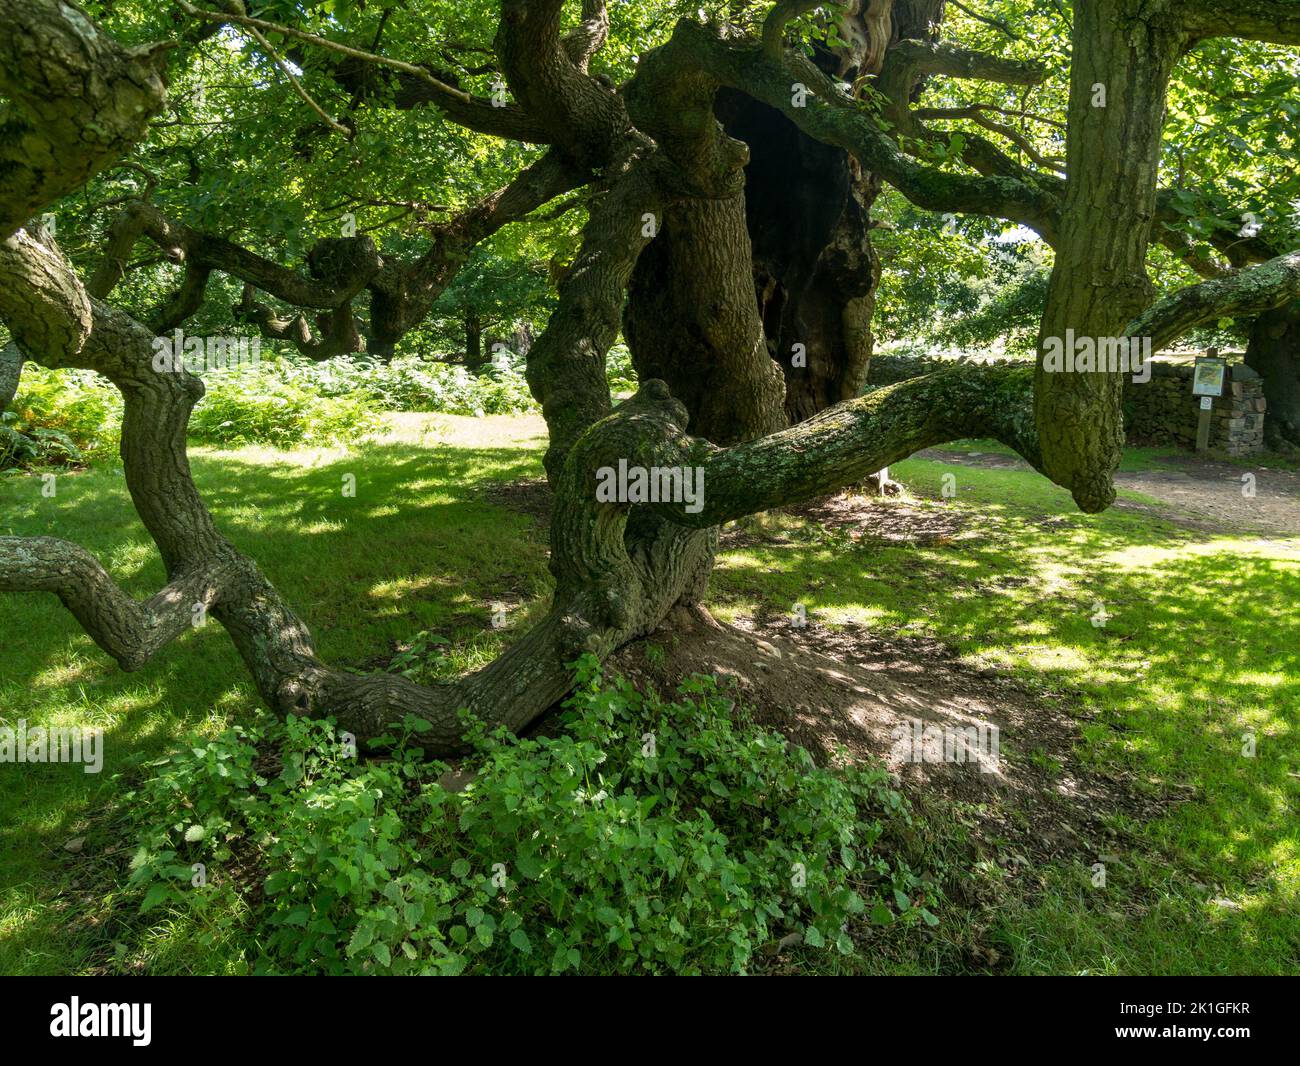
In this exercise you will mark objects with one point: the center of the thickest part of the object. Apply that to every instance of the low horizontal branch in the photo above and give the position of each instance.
(835, 448)
(847, 442)
(130, 630)
(1249, 291)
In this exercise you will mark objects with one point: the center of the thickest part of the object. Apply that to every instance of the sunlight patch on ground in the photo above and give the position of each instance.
(291, 459)
(489, 431)
(132, 557)
(1147, 555)
(63, 673)
(323, 525)
(398, 588)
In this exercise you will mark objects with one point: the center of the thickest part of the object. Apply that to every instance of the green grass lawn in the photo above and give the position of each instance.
(418, 548)
(1198, 650)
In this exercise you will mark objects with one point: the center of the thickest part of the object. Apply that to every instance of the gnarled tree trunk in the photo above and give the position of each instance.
(667, 223)
(807, 209)
(1123, 58)
(815, 272)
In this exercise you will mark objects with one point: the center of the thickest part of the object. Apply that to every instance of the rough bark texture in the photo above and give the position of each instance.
(11, 368)
(807, 212)
(664, 171)
(74, 101)
(815, 272)
(691, 320)
(1277, 21)
(566, 367)
(1099, 280)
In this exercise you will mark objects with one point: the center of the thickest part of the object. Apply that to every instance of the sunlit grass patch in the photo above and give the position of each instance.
(418, 549)
(1178, 648)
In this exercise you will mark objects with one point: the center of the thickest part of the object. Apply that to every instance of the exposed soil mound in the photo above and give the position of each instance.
(915, 706)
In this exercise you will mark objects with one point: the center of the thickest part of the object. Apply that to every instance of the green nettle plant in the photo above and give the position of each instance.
(412, 384)
(649, 835)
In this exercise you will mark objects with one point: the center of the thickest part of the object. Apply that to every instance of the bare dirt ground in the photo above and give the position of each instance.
(850, 694)
(1211, 493)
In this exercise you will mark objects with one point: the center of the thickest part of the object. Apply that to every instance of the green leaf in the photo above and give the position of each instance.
(362, 937)
(157, 893)
(529, 865)
(297, 915)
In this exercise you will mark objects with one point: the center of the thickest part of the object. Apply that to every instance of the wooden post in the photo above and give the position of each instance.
(1203, 424)
(1207, 413)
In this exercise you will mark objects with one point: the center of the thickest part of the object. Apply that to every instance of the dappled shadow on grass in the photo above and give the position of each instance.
(1197, 648)
(1176, 651)
(419, 528)
(386, 475)
(420, 546)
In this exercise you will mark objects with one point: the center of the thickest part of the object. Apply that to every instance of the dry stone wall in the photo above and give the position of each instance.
(1161, 411)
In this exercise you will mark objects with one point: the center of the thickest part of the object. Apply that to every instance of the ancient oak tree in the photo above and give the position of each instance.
(727, 182)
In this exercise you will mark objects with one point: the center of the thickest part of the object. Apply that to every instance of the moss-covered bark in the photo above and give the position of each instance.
(667, 173)
(74, 101)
